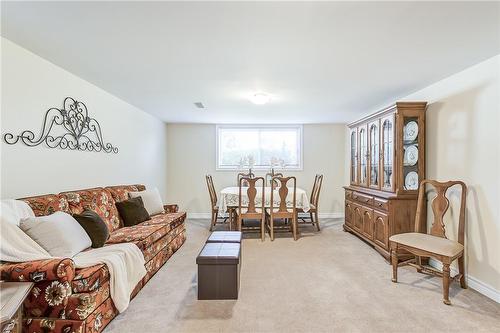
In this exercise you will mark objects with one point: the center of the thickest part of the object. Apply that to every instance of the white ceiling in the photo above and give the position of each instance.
(322, 61)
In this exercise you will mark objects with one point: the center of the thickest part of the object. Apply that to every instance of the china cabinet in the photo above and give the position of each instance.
(387, 163)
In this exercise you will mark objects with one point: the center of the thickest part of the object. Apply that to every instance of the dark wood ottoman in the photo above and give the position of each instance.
(225, 237)
(219, 271)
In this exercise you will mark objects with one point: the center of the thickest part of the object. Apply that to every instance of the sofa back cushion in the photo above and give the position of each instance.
(47, 204)
(96, 199)
(120, 192)
(152, 200)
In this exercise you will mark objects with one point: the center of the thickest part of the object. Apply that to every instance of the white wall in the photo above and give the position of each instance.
(463, 143)
(30, 86)
(191, 155)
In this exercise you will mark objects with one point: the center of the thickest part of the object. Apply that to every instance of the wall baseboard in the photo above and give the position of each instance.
(321, 215)
(331, 215)
(198, 215)
(472, 282)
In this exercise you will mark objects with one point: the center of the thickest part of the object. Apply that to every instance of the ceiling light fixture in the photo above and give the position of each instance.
(260, 98)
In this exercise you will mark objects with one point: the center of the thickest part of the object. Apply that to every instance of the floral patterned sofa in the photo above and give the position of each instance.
(67, 299)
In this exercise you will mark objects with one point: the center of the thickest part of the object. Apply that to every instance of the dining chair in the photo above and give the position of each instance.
(282, 211)
(250, 174)
(435, 245)
(250, 210)
(213, 200)
(313, 203)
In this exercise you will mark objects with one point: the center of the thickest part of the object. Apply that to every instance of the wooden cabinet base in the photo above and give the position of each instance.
(375, 216)
(385, 253)
(402, 256)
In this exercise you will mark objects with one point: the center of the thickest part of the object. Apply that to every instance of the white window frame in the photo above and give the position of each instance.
(299, 129)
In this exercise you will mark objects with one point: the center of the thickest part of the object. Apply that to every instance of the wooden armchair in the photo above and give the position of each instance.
(283, 211)
(213, 200)
(435, 244)
(250, 210)
(314, 200)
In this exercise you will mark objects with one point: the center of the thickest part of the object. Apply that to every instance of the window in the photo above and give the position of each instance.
(259, 147)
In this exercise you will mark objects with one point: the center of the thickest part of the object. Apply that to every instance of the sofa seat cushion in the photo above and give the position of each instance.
(90, 278)
(171, 219)
(150, 236)
(152, 250)
(153, 265)
(142, 236)
(98, 200)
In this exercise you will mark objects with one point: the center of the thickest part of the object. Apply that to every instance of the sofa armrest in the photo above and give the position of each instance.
(62, 270)
(171, 208)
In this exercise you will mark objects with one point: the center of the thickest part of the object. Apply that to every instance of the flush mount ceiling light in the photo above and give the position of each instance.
(260, 98)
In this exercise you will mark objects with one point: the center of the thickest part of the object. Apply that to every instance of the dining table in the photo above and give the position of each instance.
(229, 198)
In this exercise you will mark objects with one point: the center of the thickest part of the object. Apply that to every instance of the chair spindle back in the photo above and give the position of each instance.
(211, 190)
(318, 181)
(251, 190)
(440, 205)
(250, 174)
(282, 183)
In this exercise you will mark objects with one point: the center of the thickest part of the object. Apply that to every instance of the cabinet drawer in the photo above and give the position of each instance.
(381, 204)
(365, 199)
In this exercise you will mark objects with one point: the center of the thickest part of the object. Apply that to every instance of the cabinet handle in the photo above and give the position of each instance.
(379, 203)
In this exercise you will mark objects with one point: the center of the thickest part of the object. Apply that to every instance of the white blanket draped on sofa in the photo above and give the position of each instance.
(125, 261)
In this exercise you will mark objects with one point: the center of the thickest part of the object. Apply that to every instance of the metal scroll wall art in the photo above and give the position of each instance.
(75, 130)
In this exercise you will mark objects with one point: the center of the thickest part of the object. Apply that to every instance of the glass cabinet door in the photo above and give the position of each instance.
(374, 154)
(388, 153)
(354, 157)
(411, 177)
(363, 156)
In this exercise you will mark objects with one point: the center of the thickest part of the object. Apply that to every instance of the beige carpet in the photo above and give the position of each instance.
(324, 282)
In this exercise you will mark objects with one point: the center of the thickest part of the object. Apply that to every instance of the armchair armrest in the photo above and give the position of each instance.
(62, 270)
(171, 208)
